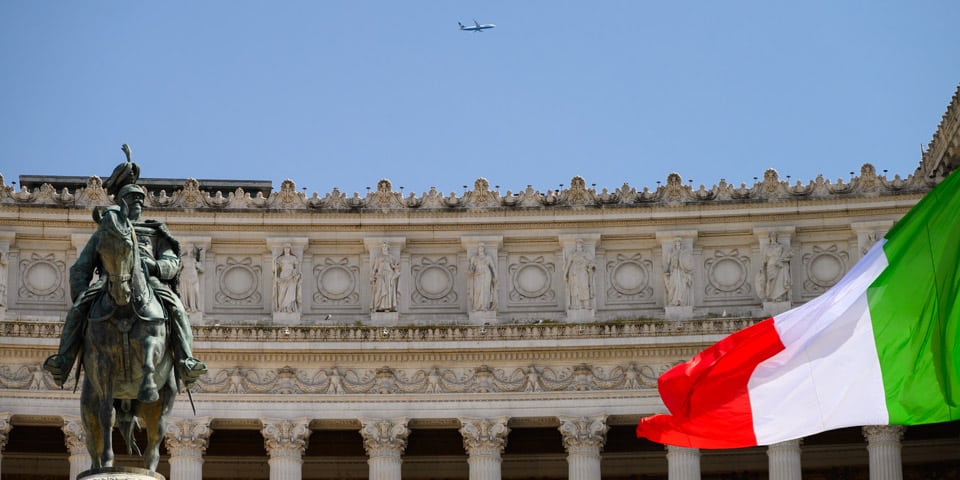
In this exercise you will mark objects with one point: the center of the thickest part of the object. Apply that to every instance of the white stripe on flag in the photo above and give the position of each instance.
(828, 376)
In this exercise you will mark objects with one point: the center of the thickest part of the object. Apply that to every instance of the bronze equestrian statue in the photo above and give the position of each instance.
(128, 327)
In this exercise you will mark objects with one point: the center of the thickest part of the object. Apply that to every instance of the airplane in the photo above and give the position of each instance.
(476, 27)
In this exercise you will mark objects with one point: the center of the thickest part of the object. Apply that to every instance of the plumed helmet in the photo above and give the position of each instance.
(131, 189)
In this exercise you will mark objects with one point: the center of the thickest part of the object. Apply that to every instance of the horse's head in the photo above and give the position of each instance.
(117, 255)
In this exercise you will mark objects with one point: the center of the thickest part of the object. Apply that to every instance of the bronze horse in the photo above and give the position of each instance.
(125, 355)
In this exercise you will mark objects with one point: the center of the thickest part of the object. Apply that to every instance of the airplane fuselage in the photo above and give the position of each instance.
(476, 27)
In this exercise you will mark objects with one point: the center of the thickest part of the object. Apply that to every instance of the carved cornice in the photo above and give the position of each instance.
(384, 200)
(442, 333)
(943, 153)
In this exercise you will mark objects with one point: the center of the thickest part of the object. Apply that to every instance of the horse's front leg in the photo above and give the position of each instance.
(154, 417)
(97, 416)
(152, 348)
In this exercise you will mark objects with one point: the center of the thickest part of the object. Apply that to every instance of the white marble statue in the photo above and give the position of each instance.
(189, 283)
(579, 274)
(773, 281)
(3, 279)
(483, 285)
(385, 281)
(678, 275)
(286, 282)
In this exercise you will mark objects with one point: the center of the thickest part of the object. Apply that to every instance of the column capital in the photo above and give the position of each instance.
(383, 437)
(188, 436)
(583, 432)
(484, 435)
(74, 435)
(284, 437)
(884, 433)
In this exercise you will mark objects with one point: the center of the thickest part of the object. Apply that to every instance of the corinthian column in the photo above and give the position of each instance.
(285, 441)
(784, 460)
(683, 463)
(77, 445)
(484, 439)
(187, 439)
(583, 438)
(384, 441)
(883, 446)
(5, 427)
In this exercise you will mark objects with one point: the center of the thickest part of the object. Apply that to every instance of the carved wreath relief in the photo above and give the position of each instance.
(628, 278)
(238, 282)
(824, 267)
(337, 280)
(726, 273)
(531, 280)
(41, 279)
(433, 281)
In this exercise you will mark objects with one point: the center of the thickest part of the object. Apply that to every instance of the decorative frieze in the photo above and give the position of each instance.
(387, 380)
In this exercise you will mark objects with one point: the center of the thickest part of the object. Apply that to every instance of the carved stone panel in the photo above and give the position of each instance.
(337, 282)
(238, 282)
(726, 274)
(42, 278)
(532, 281)
(434, 282)
(629, 279)
(823, 266)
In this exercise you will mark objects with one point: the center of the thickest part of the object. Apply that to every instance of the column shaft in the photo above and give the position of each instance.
(683, 463)
(883, 446)
(784, 460)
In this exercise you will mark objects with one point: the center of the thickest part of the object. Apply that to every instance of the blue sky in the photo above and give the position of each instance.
(338, 93)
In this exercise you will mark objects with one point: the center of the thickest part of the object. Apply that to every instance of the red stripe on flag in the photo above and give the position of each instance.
(707, 396)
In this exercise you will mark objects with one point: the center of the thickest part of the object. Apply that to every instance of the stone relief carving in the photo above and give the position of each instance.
(579, 272)
(434, 282)
(726, 273)
(286, 282)
(580, 432)
(389, 381)
(3, 277)
(384, 437)
(673, 192)
(385, 281)
(628, 277)
(531, 280)
(336, 282)
(483, 282)
(484, 435)
(41, 278)
(185, 436)
(481, 196)
(26, 377)
(283, 437)
(678, 274)
(238, 282)
(191, 266)
(773, 281)
(824, 267)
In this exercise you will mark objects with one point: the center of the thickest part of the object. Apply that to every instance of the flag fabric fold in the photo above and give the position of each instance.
(880, 347)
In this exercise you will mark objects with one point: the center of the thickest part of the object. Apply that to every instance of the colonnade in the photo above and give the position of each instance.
(484, 440)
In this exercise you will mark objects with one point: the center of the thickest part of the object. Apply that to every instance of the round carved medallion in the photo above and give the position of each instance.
(435, 282)
(532, 280)
(825, 269)
(630, 278)
(239, 282)
(42, 278)
(727, 274)
(336, 282)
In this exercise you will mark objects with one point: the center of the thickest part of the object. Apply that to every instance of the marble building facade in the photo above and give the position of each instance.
(478, 334)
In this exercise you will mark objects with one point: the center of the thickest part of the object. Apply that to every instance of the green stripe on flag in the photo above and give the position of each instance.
(913, 307)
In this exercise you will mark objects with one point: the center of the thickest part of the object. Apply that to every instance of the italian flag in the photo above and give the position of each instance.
(881, 347)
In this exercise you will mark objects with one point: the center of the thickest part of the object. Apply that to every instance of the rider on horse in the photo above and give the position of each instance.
(160, 257)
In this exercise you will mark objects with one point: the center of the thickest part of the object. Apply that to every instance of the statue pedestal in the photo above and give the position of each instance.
(119, 473)
(286, 318)
(485, 316)
(381, 318)
(679, 313)
(775, 308)
(580, 315)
